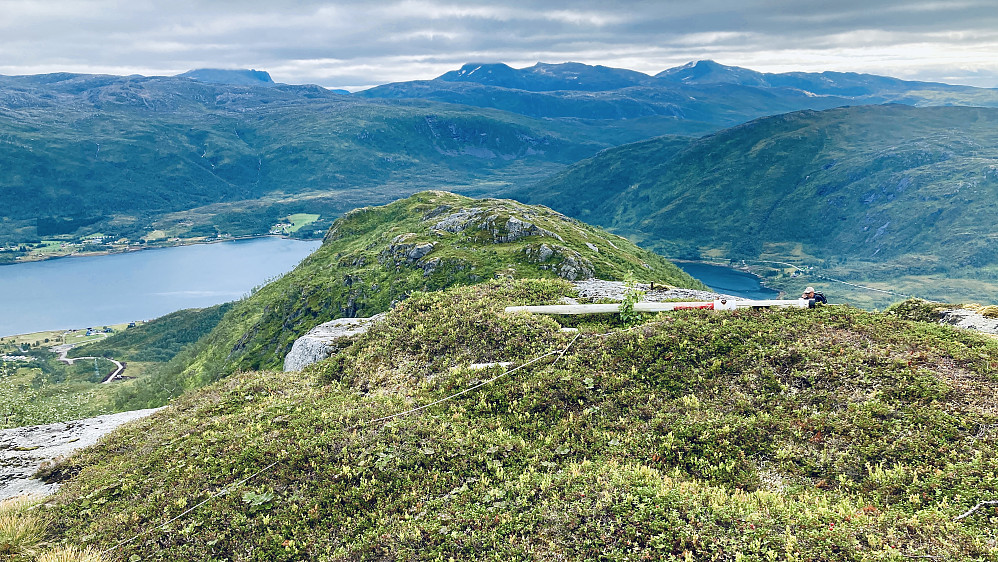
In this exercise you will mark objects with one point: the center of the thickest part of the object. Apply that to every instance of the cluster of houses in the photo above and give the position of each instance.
(6, 358)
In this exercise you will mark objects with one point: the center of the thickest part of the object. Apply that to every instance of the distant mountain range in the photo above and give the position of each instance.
(573, 76)
(693, 98)
(846, 84)
(236, 77)
(124, 155)
(544, 77)
(230, 151)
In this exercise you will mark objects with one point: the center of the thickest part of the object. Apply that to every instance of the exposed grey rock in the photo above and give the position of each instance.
(325, 339)
(418, 251)
(969, 320)
(575, 267)
(592, 247)
(616, 290)
(571, 267)
(459, 221)
(404, 249)
(431, 266)
(516, 229)
(544, 252)
(540, 253)
(436, 212)
(513, 229)
(23, 450)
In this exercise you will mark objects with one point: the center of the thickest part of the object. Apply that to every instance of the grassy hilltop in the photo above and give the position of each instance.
(374, 256)
(829, 434)
(826, 434)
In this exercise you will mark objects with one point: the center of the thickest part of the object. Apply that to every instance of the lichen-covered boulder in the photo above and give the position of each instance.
(323, 340)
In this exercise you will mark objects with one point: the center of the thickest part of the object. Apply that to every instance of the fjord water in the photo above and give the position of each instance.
(79, 292)
(729, 281)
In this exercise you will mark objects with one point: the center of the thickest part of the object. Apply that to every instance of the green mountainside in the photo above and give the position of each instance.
(130, 156)
(158, 340)
(216, 153)
(43, 389)
(375, 256)
(861, 88)
(830, 434)
(881, 192)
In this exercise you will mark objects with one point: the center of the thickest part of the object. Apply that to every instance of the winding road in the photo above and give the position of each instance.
(63, 349)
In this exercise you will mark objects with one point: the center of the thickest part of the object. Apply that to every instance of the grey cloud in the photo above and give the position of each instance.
(352, 43)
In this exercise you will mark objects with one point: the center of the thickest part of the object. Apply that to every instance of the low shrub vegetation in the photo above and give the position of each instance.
(826, 434)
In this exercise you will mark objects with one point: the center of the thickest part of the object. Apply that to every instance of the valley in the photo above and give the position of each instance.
(453, 427)
(235, 159)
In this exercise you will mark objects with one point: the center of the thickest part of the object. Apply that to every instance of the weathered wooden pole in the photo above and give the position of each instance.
(719, 304)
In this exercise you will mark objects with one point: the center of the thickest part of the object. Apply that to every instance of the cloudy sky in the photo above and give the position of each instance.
(355, 43)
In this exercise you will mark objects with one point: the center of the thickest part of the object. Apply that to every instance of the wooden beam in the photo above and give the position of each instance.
(720, 304)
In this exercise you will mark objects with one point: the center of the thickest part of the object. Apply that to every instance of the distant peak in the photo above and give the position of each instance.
(480, 67)
(711, 72)
(239, 77)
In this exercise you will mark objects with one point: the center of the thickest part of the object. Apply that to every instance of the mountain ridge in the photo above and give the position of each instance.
(120, 155)
(252, 156)
(242, 77)
(547, 77)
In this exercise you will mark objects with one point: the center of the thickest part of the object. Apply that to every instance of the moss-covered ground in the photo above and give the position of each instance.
(826, 434)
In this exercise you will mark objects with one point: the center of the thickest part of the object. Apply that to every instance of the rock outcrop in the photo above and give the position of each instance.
(24, 450)
(403, 249)
(596, 289)
(325, 339)
(969, 320)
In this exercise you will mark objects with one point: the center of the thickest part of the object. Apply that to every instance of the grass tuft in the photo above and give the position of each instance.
(71, 554)
(22, 528)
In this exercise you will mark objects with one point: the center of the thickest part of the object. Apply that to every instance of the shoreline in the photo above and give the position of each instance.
(156, 246)
(742, 268)
(118, 288)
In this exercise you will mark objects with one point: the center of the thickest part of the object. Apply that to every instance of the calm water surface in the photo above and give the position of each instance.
(729, 280)
(98, 290)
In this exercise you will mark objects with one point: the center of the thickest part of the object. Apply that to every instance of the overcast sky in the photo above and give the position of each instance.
(366, 42)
